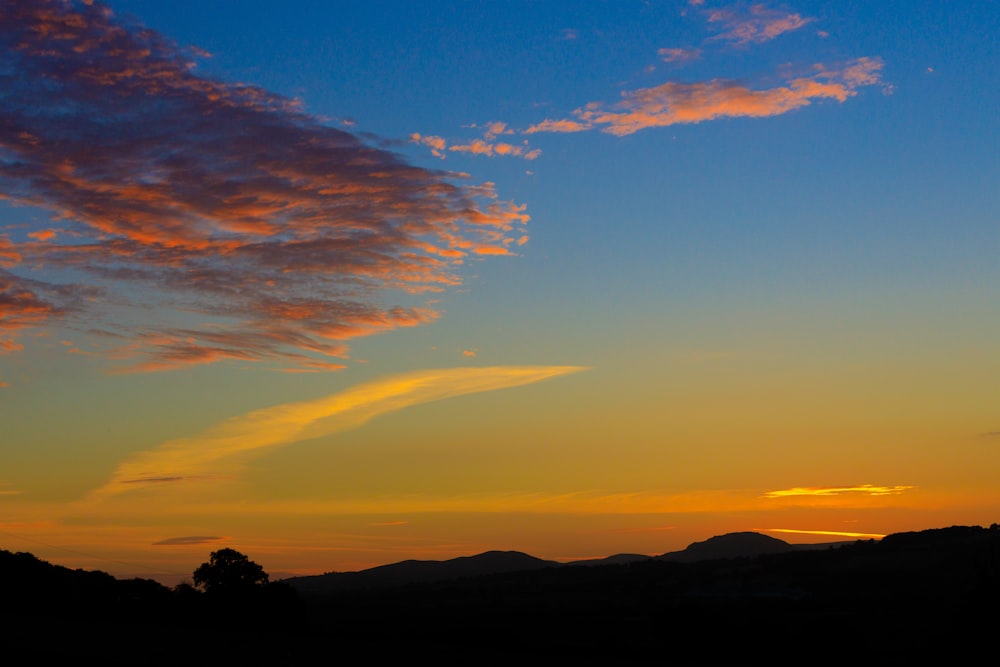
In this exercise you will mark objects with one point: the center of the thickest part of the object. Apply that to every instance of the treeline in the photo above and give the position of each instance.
(52, 613)
(34, 586)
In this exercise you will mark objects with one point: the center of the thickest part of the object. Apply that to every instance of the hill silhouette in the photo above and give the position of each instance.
(419, 571)
(926, 596)
(730, 545)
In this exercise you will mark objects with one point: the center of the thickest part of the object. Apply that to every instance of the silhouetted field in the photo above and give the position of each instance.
(911, 598)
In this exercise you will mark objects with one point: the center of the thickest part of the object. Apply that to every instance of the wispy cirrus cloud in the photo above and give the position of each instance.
(755, 24)
(678, 55)
(188, 540)
(276, 235)
(831, 533)
(219, 453)
(26, 303)
(563, 126)
(674, 103)
(863, 489)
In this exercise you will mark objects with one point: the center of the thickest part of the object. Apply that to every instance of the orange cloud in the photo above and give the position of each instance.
(279, 233)
(558, 126)
(486, 146)
(435, 143)
(43, 234)
(9, 256)
(675, 103)
(26, 303)
(756, 25)
(481, 147)
(495, 129)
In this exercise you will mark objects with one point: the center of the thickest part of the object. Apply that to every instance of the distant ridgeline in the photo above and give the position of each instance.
(910, 595)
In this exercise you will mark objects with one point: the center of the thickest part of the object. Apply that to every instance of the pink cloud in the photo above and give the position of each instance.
(676, 55)
(755, 25)
(280, 234)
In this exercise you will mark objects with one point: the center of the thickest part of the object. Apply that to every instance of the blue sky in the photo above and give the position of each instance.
(763, 236)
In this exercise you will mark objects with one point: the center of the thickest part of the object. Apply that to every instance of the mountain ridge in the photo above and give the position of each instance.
(901, 600)
(746, 544)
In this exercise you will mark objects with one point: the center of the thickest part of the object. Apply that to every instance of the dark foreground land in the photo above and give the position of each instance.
(912, 598)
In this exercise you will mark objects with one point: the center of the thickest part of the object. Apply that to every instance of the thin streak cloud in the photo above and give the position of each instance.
(831, 533)
(188, 540)
(674, 103)
(864, 489)
(276, 235)
(221, 451)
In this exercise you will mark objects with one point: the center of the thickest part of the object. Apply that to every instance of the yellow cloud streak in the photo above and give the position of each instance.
(866, 489)
(835, 533)
(218, 452)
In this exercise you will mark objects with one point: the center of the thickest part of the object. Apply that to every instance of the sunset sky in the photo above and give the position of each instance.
(342, 284)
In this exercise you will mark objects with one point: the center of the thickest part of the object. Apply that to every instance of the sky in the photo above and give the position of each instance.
(344, 284)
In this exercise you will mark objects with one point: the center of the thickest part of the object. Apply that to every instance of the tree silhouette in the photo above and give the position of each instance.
(229, 572)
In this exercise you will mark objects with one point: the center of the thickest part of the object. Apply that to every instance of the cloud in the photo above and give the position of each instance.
(674, 103)
(487, 146)
(275, 236)
(990, 434)
(188, 540)
(26, 303)
(469, 353)
(481, 147)
(564, 125)
(864, 489)
(435, 143)
(496, 128)
(676, 55)
(221, 450)
(754, 25)
(832, 533)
